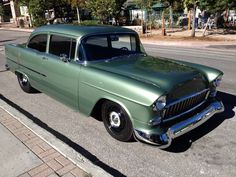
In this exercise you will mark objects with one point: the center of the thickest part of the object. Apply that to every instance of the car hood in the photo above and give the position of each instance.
(163, 73)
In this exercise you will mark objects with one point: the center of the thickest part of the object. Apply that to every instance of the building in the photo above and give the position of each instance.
(10, 12)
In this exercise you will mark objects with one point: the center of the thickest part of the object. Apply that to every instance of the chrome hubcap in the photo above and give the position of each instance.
(24, 79)
(114, 118)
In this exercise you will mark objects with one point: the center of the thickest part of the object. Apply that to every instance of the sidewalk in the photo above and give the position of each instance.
(25, 154)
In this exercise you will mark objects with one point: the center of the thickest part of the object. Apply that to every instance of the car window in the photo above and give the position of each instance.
(60, 46)
(97, 40)
(109, 46)
(124, 42)
(38, 42)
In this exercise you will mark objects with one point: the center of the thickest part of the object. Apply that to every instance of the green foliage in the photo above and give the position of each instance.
(24, 2)
(217, 5)
(76, 3)
(88, 23)
(145, 4)
(101, 9)
(1, 10)
(118, 7)
(213, 6)
(37, 9)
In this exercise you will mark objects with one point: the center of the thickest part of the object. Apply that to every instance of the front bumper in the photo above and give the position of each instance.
(164, 140)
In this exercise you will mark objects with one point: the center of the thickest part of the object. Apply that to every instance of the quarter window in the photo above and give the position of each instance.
(38, 42)
(60, 45)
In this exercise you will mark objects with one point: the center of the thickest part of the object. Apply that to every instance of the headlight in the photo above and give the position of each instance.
(217, 81)
(160, 103)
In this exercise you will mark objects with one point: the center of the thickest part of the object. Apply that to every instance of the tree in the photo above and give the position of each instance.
(77, 4)
(173, 4)
(192, 4)
(101, 9)
(118, 8)
(37, 9)
(217, 5)
(1, 12)
(214, 7)
(145, 5)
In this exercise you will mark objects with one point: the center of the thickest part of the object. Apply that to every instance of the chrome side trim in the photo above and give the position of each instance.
(164, 140)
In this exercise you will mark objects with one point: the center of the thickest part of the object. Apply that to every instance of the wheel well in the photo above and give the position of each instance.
(97, 109)
(18, 73)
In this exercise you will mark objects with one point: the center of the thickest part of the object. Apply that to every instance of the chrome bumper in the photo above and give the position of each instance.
(164, 140)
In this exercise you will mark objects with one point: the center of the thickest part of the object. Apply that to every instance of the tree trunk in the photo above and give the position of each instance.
(189, 20)
(163, 24)
(30, 21)
(78, 15)
(171, 17)
(193, 22)
(142, 20)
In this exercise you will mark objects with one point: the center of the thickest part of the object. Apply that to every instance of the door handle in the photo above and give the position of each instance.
(44, 58)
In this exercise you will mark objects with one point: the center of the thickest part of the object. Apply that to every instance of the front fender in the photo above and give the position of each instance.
(134, 96)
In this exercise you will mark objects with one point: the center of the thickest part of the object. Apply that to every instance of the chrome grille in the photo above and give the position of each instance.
(183, 105)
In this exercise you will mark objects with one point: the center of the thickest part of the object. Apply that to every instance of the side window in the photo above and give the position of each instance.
(38, 42)
(60, 45)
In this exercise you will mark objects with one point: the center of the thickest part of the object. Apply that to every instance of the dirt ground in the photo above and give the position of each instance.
(218, 35)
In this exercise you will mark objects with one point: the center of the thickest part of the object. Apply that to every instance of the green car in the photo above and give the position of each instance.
(104, 72)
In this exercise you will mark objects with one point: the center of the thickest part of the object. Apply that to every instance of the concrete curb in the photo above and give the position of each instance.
(57, 144)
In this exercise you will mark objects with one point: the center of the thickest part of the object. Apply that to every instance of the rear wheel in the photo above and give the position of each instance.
(117, 121)
(24, 83)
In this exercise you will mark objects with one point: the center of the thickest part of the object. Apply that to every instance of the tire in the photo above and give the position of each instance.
(24, 83)
(117, 121)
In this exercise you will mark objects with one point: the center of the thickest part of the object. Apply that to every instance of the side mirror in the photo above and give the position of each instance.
(64, 58)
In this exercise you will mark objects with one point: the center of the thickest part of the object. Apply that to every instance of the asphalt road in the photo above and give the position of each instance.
(207, 151)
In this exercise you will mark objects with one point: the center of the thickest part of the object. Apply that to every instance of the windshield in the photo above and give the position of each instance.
(109, 46)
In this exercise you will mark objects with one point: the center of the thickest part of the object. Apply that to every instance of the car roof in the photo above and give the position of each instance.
(80, 31)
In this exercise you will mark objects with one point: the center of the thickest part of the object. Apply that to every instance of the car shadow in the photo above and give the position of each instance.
(184, 142)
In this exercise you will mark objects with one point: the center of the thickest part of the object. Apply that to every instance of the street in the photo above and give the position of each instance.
(209, 150)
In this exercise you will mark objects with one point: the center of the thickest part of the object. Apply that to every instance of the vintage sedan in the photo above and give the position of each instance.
(105, 73)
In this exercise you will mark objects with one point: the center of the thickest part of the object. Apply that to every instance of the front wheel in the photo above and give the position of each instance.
(117, 121)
